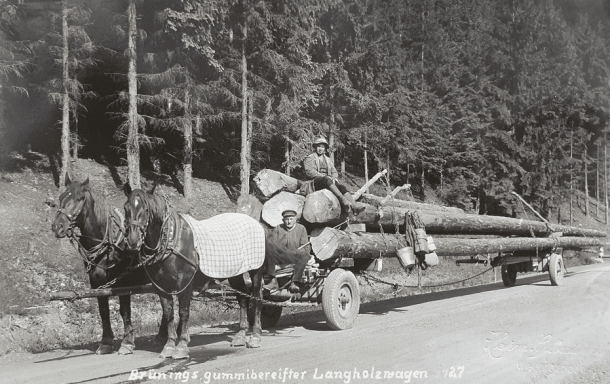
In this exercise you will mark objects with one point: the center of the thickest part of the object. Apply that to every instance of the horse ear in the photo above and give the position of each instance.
(67, 181)
(127, 189)
(152, 190)
(85, 184)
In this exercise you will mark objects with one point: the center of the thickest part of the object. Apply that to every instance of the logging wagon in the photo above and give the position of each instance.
(387, 227)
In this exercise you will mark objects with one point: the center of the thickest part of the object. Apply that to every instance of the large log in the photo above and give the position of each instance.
(273, 208)
(462, 247)
(412, 205)
(436, 222)
(269, 182)
(329, 243)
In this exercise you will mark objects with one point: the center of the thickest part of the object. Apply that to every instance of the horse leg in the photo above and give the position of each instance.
(257, 292)
(238, 283)
(105, 346)
(128, 344)
(184, 338)
(167, 304)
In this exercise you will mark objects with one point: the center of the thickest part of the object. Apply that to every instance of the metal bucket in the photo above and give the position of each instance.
(406, 257)
(431, 259)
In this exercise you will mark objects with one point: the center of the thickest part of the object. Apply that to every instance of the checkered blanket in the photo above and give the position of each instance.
(228, 244)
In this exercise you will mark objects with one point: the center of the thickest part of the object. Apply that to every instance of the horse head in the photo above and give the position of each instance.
(138, 216)
(71, 204)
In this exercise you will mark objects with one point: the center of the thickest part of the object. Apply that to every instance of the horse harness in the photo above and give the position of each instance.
(92, 257)
(167, 244)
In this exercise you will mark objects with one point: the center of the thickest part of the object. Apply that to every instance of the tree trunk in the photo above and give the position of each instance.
(287, 152)
(273, 208)
(323, 207)
(376, 200)
(330, 243)
(584, 160)
(606, 178)
(331, 132)
(65, 121)
(597, 182)
(366, 159)
(269, 182)
(245, 155)
(188, 148)
(571, 178)
(133, 142)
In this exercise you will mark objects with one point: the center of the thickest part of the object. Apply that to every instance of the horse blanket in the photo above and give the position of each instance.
(228, 244)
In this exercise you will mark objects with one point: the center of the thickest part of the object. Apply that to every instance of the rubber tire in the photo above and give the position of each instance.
(341, 285)
(509, 275)
(556, 269)
(270, 315)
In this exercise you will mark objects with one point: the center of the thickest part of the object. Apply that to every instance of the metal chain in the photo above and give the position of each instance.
(374, 278)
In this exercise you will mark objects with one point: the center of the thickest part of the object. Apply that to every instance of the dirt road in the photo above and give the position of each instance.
(530, 333)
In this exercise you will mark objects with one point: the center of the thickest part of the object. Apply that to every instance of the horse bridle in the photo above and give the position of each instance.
(71, 217)
(142, 227)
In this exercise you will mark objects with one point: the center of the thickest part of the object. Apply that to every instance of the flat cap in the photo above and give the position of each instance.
(289, 213)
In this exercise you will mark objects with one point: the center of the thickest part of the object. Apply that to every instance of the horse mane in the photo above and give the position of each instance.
(101, 207)
(156, 203)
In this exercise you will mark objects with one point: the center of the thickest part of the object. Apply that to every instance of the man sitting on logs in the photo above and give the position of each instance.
(292, 236)
(322, 174)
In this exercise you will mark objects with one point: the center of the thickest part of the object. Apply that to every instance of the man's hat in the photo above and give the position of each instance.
(289, 213)
(320, 140)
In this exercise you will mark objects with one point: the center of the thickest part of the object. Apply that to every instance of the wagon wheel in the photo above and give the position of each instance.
(341, 299)
(556, 269)
(270, 315)
(509, 274)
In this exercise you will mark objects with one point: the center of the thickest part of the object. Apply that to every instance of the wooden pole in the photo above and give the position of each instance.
(122, 291)
(366, 186)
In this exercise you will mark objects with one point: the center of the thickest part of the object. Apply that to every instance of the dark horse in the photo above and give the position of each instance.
(100, 244)
(167, 248)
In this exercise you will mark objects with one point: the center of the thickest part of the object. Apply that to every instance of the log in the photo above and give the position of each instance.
(438, 222)
(121, 291)
(412, 205)
(321, 207)
(372, 181)
(273, 208)
(463, 247)
(269, 182)
(328, 243)
(249, 205)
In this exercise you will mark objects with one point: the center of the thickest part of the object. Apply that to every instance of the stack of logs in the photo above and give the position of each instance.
(382, 224)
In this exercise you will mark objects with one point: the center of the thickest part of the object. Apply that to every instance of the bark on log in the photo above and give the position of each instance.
(273, 208)
(463, 247)
(321, 207)
(328, 243)
(412, 205)
(437, 222)
(270, 182)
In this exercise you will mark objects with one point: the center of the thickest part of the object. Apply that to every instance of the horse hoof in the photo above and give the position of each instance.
(104, 349)
(180, 353)
(238, 341)
(126, 349)
(167, 352)
(255, 342)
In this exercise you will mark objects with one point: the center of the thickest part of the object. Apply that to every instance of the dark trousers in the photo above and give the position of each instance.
(276, 254)
(324, 182)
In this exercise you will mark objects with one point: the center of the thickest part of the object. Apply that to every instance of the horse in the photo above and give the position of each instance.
(167, 248)
(100, 244)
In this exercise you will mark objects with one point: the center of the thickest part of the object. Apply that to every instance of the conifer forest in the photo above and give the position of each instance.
(473, 99)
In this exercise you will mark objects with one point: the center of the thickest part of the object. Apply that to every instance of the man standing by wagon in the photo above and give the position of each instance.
(288, 244)
(322, 173)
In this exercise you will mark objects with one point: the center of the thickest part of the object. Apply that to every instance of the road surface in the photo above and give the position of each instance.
(530, 333)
